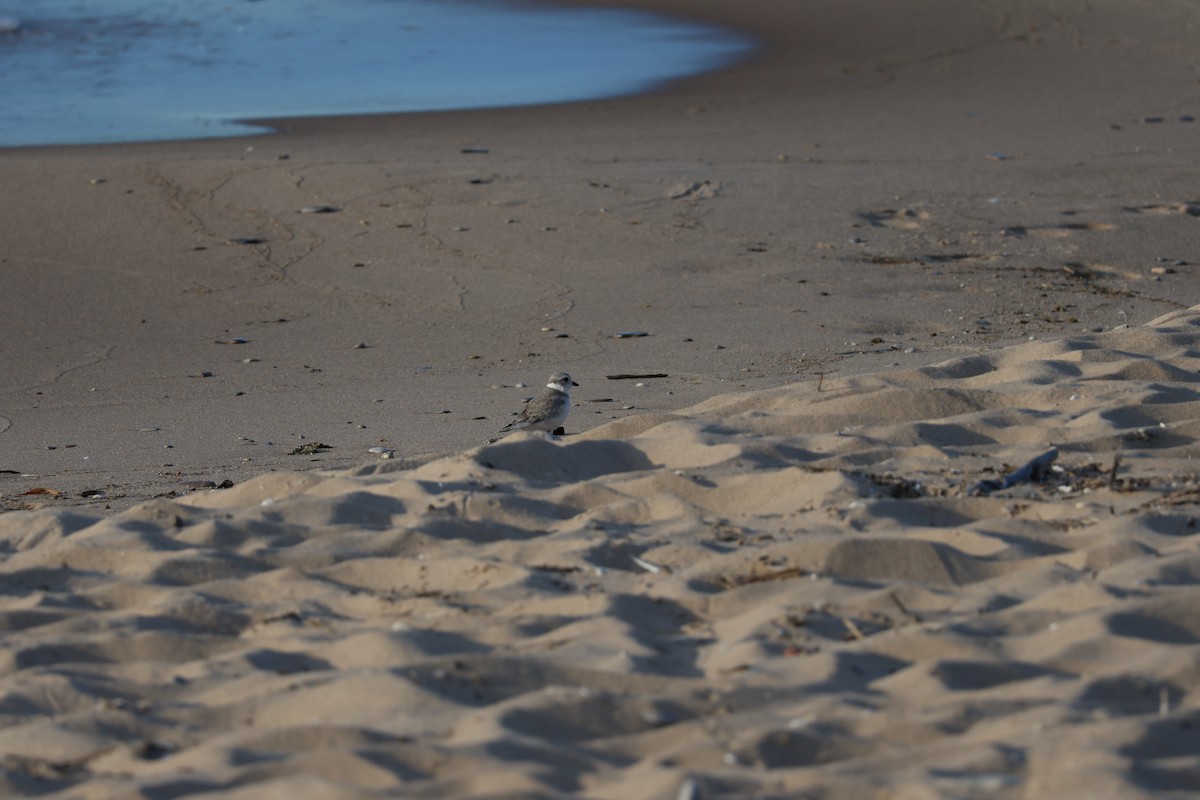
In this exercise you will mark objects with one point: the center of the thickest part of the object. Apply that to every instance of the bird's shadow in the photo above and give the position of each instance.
(544, 460)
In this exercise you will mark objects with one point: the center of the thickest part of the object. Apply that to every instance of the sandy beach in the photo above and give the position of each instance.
(902, 251)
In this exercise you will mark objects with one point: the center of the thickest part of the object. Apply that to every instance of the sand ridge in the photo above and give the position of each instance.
(771, 593)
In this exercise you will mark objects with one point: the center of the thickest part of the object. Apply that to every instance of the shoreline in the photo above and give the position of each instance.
(735, 44)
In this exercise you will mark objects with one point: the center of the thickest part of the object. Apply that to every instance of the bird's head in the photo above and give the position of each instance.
(560, 381)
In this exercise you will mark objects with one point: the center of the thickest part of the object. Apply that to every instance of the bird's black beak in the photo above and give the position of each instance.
(573, 383)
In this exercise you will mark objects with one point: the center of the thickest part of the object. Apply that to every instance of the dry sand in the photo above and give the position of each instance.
(907, 248)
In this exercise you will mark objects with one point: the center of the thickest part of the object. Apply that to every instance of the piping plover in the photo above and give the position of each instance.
(548, 410)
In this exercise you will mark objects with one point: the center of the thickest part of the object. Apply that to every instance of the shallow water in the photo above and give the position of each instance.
(75, 71)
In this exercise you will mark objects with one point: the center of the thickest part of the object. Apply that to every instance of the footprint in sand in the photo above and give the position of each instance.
(1189, 207)
(905, 219)
(1056, 231)
(1097, 271)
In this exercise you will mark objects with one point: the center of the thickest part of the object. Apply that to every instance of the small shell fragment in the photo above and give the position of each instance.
(319, 209)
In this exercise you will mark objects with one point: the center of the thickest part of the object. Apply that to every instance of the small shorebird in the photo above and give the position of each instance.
(548, 411)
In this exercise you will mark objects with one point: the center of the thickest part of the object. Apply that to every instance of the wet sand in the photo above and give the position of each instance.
(879, 187)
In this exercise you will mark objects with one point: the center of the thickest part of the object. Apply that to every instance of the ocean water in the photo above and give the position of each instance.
(78, 71)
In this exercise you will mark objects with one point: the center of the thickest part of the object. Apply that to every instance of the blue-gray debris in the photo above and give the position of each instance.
(1034, 471)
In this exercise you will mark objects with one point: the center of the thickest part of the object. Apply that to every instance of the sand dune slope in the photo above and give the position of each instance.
(800, 592)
